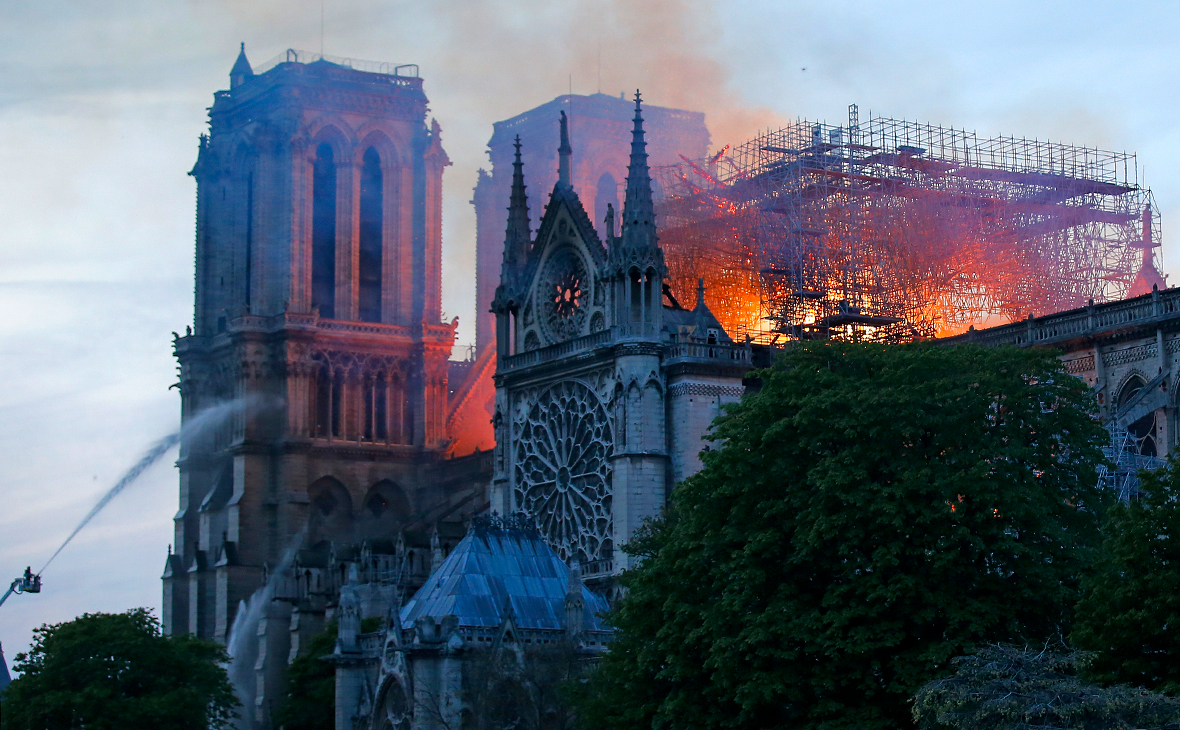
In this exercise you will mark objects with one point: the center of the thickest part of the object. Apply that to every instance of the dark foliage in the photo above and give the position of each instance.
(1130, 610)
(106, 671)
(1005, 688)
(311, 683)
(871, 513)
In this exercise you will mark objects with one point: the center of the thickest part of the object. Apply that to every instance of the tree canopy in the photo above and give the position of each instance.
(1006, 688)
(105, 671)
(870, 513)
(1130, 608)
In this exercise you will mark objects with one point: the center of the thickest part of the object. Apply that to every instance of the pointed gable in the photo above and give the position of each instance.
(563, 295)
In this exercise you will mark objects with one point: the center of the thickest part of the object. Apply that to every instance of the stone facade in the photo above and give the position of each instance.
(598, 167)
(318, 254)
(603, 391)
(1125, 351)
(359, 453)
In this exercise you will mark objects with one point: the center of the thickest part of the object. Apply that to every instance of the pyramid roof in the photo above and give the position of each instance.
(497, 565)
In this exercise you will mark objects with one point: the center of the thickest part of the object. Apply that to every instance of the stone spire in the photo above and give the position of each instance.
(639, 227)
(518, 236)
(241, 70)
(1149, 277)
(563, 154)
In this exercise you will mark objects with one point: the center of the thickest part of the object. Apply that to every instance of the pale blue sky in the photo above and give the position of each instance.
(101, 105)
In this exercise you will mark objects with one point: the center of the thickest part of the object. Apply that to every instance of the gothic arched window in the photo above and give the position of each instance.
(330, 515)
(323, 232)
(329, 393)
(370, 237)
(1143, 431)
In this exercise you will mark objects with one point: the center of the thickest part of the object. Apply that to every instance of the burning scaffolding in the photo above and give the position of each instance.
(897, 230)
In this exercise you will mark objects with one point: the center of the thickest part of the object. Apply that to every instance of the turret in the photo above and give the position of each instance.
(241, 70)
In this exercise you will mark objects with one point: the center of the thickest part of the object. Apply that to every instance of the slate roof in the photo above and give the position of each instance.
(494, 565)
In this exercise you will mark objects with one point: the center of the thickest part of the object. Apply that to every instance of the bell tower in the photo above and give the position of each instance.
(317, 303)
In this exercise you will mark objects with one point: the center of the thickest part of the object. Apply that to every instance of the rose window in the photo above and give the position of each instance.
(562, 472)
(562, 290)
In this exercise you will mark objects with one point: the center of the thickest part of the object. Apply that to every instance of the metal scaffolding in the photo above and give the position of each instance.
(896, 230)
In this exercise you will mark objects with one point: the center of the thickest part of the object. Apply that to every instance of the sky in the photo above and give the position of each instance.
(101, 105)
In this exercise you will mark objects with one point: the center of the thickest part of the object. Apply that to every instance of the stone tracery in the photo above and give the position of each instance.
(563, 476)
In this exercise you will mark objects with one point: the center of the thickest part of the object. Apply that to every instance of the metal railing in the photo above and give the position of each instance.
(292, 55)
(703, 351)
(1063, 326)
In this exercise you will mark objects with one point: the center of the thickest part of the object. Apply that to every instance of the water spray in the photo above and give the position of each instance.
(31, 582)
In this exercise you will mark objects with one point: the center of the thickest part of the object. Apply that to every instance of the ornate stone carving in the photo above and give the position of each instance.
(563, 476)
(562, 293)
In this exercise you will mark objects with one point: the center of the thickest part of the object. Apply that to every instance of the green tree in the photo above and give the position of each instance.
(105, 671)
(1130, 609)
(872, 511)
(311, 686)
(1005, 688)
(310, 702)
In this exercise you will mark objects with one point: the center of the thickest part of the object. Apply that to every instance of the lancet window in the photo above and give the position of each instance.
(371, 243)
(323, 232)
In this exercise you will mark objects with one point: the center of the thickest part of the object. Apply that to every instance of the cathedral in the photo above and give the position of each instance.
(356, 483)
(605, 388)
(459, 522)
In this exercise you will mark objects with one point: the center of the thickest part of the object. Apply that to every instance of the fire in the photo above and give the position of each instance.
(818, 231)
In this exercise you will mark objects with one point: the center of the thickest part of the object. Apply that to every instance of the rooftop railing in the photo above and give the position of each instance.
(292, 55)
(1064, 326)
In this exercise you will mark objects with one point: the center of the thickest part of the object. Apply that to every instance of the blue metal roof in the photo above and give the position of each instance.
(493, 565)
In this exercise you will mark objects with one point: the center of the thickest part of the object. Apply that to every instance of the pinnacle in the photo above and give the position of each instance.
(517, 236)
(638, 210)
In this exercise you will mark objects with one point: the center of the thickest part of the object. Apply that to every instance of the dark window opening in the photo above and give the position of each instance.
(377, 504)
(325, 502)
(380, 417)
(323, 233)
(328, 397)
(370, 238)
(636, 292)
(375, 409)
(249, 231)
(220, 325)
(323, 402)
(337, 398)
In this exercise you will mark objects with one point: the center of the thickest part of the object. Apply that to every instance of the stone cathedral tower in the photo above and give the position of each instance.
(318, 253)
(603, 390)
